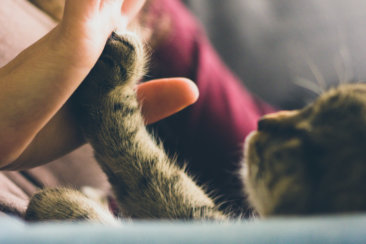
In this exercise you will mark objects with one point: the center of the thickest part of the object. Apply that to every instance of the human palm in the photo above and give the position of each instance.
(87, 24)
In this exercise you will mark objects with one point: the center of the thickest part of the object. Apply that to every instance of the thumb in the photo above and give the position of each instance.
(164, 97)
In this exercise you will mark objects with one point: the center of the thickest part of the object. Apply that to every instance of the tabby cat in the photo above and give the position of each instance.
(303, 162)
(313, 160)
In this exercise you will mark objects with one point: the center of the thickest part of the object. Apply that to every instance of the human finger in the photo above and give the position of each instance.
(164, 97)
(81, 8)
(130, 8)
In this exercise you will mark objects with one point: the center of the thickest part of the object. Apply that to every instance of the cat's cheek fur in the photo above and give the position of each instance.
(249, 171)
(255, 179)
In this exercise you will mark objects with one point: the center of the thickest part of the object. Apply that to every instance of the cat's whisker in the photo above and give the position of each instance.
(343, 66)
(148, 76)
(338, 70)
(319, 78)
(308, 85)
(319, 86)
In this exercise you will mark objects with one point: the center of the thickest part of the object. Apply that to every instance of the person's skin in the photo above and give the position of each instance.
(38, 82)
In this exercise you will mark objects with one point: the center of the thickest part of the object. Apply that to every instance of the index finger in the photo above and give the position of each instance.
(164, 97)
(130, 8)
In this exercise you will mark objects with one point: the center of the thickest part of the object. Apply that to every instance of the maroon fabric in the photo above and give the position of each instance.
(210, 134)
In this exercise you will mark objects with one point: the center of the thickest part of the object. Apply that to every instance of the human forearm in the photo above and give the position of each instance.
(59, 137)
(33, 87)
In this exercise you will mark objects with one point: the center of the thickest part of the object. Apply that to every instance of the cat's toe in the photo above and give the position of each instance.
(122, 60)
(121, 65)
(66, 204)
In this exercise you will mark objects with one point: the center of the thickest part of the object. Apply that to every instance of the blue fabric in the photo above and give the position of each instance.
(339, 229)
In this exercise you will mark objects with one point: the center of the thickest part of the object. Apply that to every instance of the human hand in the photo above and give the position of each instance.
(87, 24)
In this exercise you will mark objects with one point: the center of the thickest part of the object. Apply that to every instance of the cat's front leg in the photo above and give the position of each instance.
(147, 183)
(68, 205)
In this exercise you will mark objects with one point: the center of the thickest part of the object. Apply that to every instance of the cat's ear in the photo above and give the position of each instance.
(274, 120)
(284, 119)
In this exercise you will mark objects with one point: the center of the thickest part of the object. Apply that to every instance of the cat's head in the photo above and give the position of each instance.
(312, 160)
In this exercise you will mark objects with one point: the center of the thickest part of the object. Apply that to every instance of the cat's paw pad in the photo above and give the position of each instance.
(121, 63)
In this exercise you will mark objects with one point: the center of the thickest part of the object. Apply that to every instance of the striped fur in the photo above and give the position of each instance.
(310, 161)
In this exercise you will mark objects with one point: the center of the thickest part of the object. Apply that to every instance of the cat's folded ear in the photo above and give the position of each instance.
(283, 120)
(276, 120)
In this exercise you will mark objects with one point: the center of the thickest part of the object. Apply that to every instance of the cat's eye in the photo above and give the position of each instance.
(272, 125)
(265, 124)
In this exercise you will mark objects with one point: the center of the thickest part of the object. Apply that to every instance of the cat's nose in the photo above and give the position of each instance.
(272, 121)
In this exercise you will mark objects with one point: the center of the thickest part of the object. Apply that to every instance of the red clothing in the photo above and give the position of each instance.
(209, 134)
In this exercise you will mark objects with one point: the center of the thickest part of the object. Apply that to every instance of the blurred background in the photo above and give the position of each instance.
(288, 51)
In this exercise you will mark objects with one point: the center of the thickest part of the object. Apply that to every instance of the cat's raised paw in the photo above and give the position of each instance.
(121, 63)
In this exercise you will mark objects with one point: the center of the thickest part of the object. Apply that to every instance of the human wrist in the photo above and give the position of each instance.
(73, 49)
